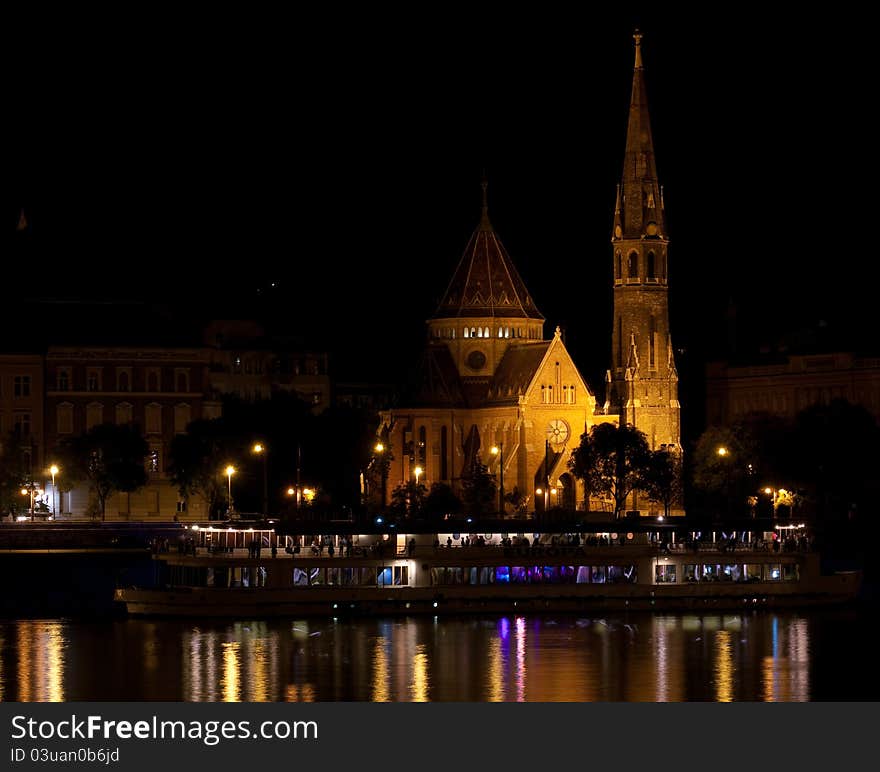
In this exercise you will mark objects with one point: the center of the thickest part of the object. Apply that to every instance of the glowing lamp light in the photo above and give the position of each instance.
(53, 470)
(379, 447)
(538, 491)
(291, 491)
(768, 491)
(722, 451)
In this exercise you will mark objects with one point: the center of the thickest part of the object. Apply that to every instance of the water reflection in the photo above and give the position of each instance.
(670, 657)
(38, 662)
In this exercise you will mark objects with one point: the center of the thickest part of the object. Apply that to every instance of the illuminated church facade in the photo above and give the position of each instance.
(494, 389)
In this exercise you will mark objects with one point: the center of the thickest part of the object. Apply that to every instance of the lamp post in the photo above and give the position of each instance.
(380, 449)
(230, 470)
(261, 450)
(724, 454)
(498, 450)
(53, 470)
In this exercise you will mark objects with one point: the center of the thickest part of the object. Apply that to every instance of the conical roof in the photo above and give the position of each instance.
(486, 283)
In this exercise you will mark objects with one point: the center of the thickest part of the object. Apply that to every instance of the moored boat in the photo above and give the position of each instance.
(233, 572)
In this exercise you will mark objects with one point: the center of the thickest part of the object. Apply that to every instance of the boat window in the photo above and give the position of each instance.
(772, 572)
(598, 575)
(691, 572)
(790, 572)
(665, 573)
(753, 572)
(502, 574)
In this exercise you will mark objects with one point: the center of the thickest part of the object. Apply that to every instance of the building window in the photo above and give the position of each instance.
(123, 413)
(181, 380)
(21, 386)
(93, 381)
(22, 425)
(62, 380)
(633, 265)
(153, 418)
(182, 418)
(94, 414)
(651, 260)
(543, 395)
(153, 380)
(444, 450)
(618, 266)
(123, 381)
(64, 417)
(153, 459)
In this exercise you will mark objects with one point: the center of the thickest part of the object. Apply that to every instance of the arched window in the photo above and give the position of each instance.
(571, 395)
(123, 413)
(444, 451)
(549, 394)
(123, 384)
(473, 332)
(94, 414)
(633, 265)
(651, 274)
(153, 414)
(618, 266)
(182, 417)
(182, 381)
(544, 395)
(467, 332)
(485, 332)
(507, 332)
(153, 381)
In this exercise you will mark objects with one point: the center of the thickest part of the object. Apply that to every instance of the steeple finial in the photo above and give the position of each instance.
(637, 36)
(485, 225)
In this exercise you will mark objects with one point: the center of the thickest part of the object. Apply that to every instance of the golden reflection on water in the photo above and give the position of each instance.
(230, 681)
(421, 680)
(724, 667)
(381, 692)
(41, 651)
(520, 659)
(495, 672)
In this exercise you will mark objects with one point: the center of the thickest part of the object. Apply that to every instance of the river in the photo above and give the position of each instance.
(815, 655)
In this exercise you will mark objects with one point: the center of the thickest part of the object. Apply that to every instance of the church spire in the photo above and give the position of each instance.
(642, 211)
(485, 225)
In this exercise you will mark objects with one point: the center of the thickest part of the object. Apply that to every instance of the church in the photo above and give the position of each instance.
(494, 389)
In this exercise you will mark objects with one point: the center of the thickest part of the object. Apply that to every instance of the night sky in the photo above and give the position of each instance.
(342, 161)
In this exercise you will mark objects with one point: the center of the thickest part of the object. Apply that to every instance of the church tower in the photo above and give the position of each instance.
(486, 306)
(642, 384)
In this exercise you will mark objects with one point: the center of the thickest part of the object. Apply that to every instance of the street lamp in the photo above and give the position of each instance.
(30, 490)
(380, 449)
(418, 471)
(230, 470)
(723, 453)
(261, 450)
(498, 450)
(53, 470)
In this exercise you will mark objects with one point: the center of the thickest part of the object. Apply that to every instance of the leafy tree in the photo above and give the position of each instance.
(441, 501)
(836, 450)
(14, 473)
(195, 465)
(479, 493)
(376, 474)
(661, 480)
(611, 460)
(518, 500)
(108, 457)
(723, 467)
(408, 499)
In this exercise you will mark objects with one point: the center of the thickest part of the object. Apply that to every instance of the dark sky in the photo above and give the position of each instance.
(341, 159)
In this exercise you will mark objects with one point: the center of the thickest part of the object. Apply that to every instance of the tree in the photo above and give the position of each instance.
(110, 458)
(441, 501)
(724, 468)
(478, 490)
(195, 463)
(661, 480)
(518, 501)
(408, 498)
(611, 460)
(14, 473)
